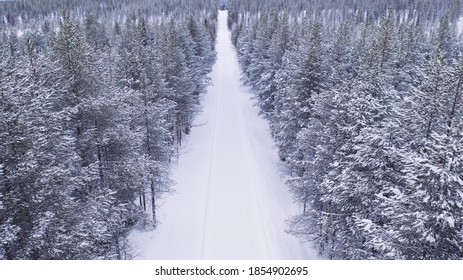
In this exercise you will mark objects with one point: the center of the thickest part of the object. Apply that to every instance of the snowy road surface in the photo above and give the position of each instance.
(230, 202)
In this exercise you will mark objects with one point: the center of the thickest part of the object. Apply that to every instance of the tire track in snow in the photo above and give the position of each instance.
(230, 202)
(209, 182)
(255, 183)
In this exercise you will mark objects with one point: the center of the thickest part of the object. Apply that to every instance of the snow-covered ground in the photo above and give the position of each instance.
(230, 202)
(460, 25)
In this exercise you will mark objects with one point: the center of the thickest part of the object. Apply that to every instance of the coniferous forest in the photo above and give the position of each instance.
(364, 101)
(96, 97)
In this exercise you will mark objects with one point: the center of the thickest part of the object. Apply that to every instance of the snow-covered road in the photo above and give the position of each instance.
(230, 202)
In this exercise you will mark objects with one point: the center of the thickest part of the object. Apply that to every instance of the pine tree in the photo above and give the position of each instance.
(302, 77)
(179, 78)
(266, 86)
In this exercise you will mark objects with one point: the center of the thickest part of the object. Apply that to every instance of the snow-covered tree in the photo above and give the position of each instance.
(365, 117)
(88, 119)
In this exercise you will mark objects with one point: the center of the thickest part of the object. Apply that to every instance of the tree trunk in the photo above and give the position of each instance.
(118, 249)
(153, 203)
(456, 100)
(428, 129)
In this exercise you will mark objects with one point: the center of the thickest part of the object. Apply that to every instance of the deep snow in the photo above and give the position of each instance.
(230, 202)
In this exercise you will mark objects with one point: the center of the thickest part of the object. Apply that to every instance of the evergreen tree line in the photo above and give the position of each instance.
(28, 13)
(367, 117)
(352, 10)
(91, 115)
